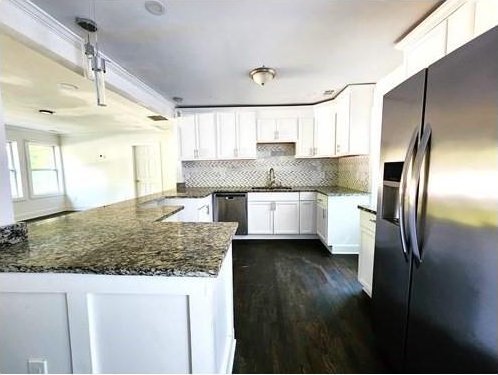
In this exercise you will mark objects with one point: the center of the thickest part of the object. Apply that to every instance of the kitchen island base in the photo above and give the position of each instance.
(88, 323)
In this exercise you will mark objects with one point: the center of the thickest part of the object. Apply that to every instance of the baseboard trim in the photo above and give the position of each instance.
(276, 237)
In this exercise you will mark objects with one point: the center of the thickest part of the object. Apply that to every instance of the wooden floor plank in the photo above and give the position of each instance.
(300, 310)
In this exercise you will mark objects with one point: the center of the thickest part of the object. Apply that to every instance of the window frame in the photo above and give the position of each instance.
(13, 151)
(58, 169)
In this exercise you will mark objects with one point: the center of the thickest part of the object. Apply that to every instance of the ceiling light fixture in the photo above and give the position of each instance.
(95, 64)
(155, 7)
(328, 92)
(46, 112)
(177, 99)
(262, 75)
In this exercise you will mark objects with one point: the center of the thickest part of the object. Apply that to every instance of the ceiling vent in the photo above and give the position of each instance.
(157, 118)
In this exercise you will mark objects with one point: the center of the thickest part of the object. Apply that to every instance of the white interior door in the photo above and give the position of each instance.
(147, 165)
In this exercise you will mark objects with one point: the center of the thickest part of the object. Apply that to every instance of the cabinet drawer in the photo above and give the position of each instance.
(307, 196)
(272, 197)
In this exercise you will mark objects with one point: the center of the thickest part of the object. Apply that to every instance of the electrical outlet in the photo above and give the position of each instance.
(37, 366)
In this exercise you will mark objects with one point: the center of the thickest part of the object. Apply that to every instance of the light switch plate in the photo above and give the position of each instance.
(37, 366)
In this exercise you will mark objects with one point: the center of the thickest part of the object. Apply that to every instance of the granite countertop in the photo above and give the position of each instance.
(367, 208)
(126, 238)
(201, 192)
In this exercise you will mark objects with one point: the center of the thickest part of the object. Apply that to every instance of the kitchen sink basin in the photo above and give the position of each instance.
(271, 188)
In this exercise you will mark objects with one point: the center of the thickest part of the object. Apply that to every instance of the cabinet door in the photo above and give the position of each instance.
(307, 217)
(187, 135)
(486, 16)
(460, 26)
(267, 130)
(227, 137)
(321, 223)
(246, 135)
(305, 146)
(287, 130)
(286, 218)
(428, 50)
(206, 135)
(260, 217)
(366, 260)
(325, 131)
(343, 104)
(204, 214)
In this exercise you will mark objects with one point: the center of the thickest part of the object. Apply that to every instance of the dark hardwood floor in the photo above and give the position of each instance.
(300, 310)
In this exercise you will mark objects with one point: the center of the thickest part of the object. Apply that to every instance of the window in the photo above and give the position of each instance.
(14, 170)
(44, 165)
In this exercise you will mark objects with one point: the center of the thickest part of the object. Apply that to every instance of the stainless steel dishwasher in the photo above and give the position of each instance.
(231, 207)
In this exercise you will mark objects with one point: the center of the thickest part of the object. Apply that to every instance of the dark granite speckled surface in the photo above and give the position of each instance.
(201, 192)
(126, 238)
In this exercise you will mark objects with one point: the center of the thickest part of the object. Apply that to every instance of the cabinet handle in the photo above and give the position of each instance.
(207, 210)
(315, 151)
(273, 206)
(236, 152)
(275, 134)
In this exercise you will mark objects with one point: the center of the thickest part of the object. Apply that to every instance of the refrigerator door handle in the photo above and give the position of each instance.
(410, 153)
(413, 193)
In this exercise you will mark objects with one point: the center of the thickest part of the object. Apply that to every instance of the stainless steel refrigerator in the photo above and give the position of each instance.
(436, 249)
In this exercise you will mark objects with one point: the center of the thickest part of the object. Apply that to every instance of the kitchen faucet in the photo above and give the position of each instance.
(272, 181)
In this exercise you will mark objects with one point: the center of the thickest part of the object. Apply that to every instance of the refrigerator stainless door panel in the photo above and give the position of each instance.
(402, 115)
(453, 307)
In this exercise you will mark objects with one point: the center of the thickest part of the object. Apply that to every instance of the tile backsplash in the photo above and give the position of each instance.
(289, 171)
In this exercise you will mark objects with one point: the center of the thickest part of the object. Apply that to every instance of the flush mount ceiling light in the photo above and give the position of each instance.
(262, 75)
(155, 7)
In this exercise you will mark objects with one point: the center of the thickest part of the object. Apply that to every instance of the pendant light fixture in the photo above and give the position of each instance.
(94, 63)
(262, 75)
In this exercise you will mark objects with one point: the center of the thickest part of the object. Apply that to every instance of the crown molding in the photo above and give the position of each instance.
(439, 15)
(25, 21)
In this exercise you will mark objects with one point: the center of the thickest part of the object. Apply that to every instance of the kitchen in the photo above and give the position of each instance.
(161, 179)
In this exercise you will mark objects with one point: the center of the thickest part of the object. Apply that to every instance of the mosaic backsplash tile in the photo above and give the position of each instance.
(354, 172)
(289, 171)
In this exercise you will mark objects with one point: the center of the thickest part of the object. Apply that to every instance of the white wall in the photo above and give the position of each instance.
(93, 181)
(6, 209)
(28, 207)
(382, 87)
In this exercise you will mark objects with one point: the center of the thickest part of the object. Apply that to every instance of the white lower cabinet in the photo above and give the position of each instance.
(194, 209)
(260, 217)
(273, 213)
(367, 249)
(307, 217)
(286, 218)
(338, 220)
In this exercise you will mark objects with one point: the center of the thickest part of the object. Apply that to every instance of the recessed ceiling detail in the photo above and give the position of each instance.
(203, 49)
(155, 7)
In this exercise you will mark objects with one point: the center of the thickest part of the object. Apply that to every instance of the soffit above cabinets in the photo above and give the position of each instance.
(202, 50)
(29, 81)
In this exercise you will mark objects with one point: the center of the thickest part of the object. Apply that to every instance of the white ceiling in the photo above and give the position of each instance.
(202, 50)
(30, 81)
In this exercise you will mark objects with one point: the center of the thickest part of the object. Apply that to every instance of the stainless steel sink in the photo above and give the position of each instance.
(271, 188)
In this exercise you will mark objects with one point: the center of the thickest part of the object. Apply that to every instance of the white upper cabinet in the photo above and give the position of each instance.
(460, 26)
(206, 136)
(305, 146)
(353, 116)
(227, 135)
(451, 25)
(188, 137)
(430, 48)
(316, 138)
(246, 135)
(197, 136)
(486, 16)
(279, 124)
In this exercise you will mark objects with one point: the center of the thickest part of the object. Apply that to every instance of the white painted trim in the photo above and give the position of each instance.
(276, 237)
(25, 21)
(79, 333)
(231, 357)
(435, 18)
